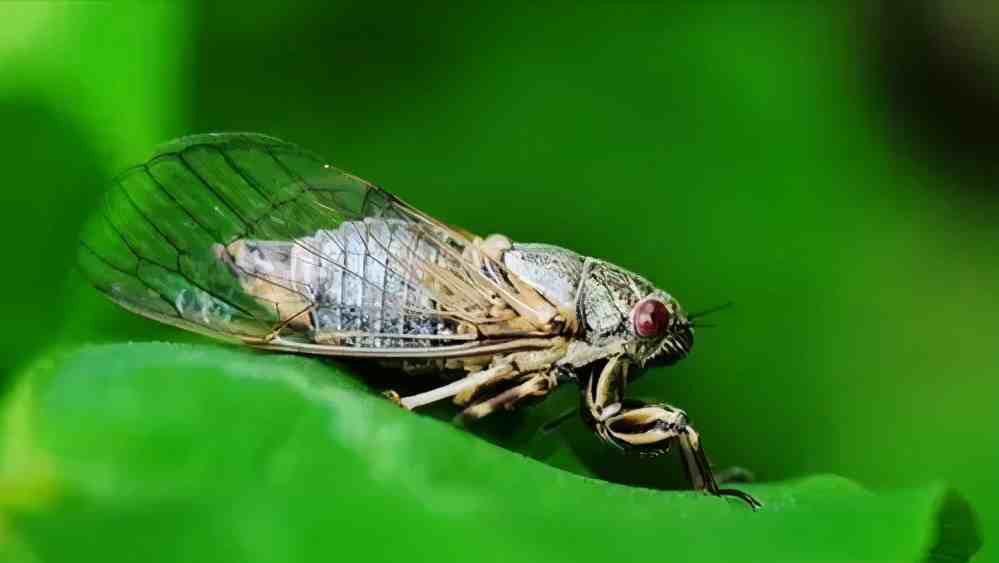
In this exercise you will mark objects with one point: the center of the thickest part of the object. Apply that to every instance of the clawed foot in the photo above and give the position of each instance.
(745, 497)
(699, 469)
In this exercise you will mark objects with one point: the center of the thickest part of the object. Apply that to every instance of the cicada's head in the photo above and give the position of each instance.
(662, 333)
(624, 308)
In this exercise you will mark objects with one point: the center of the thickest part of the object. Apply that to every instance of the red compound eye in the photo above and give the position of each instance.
(650, 317)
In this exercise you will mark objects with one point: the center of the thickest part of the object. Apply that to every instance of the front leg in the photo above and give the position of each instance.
(649, 428)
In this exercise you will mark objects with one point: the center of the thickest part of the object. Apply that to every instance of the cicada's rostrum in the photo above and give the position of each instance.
(251, 239)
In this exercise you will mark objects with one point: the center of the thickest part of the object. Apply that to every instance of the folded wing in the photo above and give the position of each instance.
(250, 238)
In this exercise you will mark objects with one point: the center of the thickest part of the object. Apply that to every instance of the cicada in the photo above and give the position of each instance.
(253, 240)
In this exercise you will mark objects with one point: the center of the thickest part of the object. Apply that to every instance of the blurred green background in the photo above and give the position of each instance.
(830, 168)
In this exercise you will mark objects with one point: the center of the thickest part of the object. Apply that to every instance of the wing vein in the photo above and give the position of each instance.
(179, 270)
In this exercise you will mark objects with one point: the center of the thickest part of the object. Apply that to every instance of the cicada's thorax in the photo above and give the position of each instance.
(601, 295)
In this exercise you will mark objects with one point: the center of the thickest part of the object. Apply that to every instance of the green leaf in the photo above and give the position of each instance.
(167, 452)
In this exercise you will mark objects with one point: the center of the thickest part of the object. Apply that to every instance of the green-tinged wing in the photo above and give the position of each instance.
(154, 247)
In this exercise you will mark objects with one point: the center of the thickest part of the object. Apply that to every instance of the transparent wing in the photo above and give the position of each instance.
(248, 237)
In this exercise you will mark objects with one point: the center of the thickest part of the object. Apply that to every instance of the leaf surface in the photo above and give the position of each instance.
(166, 452)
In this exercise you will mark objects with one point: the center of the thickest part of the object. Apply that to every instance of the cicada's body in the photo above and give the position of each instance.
(254, 240)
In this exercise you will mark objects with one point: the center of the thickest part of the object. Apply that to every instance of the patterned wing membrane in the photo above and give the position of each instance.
(247, 237)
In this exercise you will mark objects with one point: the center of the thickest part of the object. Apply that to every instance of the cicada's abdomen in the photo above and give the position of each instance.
(361, 284)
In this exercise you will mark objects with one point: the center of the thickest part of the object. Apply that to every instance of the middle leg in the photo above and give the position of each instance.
(533, 385)
(502, 368)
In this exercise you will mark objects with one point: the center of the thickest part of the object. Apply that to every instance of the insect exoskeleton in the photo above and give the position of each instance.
(253, 240)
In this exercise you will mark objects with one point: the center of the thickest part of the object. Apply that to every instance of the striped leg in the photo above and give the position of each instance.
(648, 427)
(533, 385)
